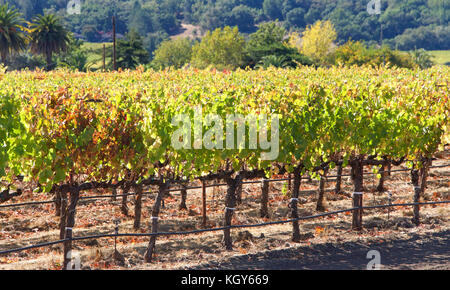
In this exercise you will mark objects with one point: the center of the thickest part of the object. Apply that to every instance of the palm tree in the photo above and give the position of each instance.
(12, 36)
(422, 58)
(273, 60)
(48, 36)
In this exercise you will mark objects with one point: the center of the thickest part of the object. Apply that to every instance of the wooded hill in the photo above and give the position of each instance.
(406, 24)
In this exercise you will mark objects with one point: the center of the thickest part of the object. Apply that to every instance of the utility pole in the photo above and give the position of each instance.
(104, 57)
(374, 8)
(381, 33)
(381, 40)
(114, 42)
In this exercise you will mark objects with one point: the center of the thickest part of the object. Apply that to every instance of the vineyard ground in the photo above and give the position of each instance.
(328, 243)
(415, 250)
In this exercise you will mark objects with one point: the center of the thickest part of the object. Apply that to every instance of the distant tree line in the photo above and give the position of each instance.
(47, 39)
(406, 24)
(273, 46)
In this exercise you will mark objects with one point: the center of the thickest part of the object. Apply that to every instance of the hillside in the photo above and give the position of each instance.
(405, 24)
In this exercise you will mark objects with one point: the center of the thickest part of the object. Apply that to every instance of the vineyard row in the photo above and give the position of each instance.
(72, 132)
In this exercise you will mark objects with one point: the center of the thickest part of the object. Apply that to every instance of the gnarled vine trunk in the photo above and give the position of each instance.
(70, 223)
(320, 206)
(183, 198)
(163, 187)
(293, 204)
(338, 179)
(126, 189)
(138, 206)
(230, 203)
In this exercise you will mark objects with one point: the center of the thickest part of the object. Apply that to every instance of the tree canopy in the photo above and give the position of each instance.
(405, 23)
(222, 48)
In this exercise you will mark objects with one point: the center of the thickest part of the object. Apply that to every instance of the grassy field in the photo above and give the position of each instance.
(95, 54)
(441, 56)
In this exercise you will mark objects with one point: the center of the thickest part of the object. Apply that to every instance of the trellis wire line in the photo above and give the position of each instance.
(220, 228)
(210, 185)
(26, 203)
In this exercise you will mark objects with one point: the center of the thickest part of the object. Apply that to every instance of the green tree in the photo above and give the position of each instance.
(273, 60)
(427, 37)
(243, 17)
(48, 36)
(222, 48)
(75, 57)
(296, 18)
(12, 37)
(273, 9)
(131, 51)
(268, 33)
(152, 40)
(422, 58)
(269, 41)
(176, 53)
(393, 57)
(26, 60)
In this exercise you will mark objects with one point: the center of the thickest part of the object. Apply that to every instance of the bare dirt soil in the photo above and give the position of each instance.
(327, 243)
(422, 250)
(188, 31)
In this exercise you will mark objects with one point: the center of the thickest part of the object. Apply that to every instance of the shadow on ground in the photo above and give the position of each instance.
(418, 252)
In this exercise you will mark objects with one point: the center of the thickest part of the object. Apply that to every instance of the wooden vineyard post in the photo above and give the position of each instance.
(358, 191)
(319, 206)
(104, 57)
(230, 203)
(423, 182)
(293, 204)
(183, 197)
(415, 183)
(338, 179)
(204, 217)
(424, 174)
(154, 220)
(114, 43)
(63, 215)
(419, 180)
(264, 198)
(70, 223)
(138, 206)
